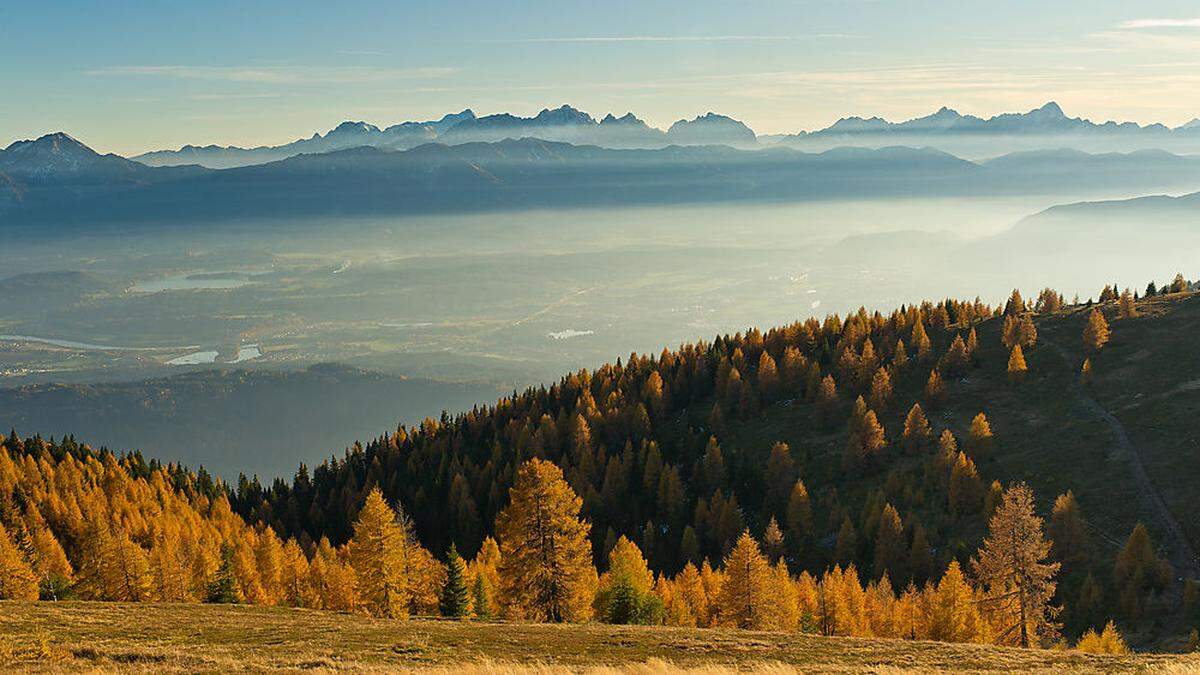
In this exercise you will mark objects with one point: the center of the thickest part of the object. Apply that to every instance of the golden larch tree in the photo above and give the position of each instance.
(17, 579)
(746, 599)
(1095, 332)
(950, 609)
(917, 434)
(545, 557)
(1127, 307)
(1067, 530)
(1013, 567)
(1016, 365)
(379, 558)
(979, 437)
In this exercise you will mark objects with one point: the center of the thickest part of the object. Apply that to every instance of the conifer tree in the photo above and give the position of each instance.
(1095, 332)
(481, 598)
(1068, 534)
(920, 558)
(827, 399)
(917, 434)
(957, 358)
(1012, 566)
(920, 341)
(935, 388)
(881, 390)
(899, 356)
(891, 551)
(768, 378)
(951, 609)
(979, 437)
(294, 577)
(713, 466)
(1178, 285)
(545, 564)
(1016, 365)
(799, 517)
(456, 597)
(486, 573)
(1127, 308)
(1009, 332)
(964, 486)
(1138, 571)
(846, 546)
(17, 579)
(1109, 641)
(746, 599)
(379, 557)
(268, 554)
(223, 588)
(773, 541)
(625, 594)
(1026, 332)
(691, 587)
(779, 478)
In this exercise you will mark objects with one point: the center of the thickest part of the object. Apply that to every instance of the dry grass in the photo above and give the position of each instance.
(76, 636)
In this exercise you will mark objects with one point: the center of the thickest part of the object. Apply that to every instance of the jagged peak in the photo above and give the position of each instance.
(564, 114)
(1051, 109)
(59, 142)
(353, 127)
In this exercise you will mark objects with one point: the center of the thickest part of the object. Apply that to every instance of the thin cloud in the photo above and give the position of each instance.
(682, 38)
(1140, 24)
(275, 74)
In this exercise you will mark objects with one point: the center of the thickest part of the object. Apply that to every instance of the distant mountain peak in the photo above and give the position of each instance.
(1050, 110)
(1194, 124)
(711, 129)
(564, 114)
(58, 143)
(626, 119)
(349, 127)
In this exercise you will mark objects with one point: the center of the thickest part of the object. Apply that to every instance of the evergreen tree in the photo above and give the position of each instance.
(481, 598)
(456, 597)
(1127, 308)
(224, 586)
(625, 594)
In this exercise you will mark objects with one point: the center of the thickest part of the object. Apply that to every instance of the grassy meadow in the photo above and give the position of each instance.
(82, 636)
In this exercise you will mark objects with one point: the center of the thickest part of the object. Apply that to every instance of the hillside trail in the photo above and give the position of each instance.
(1183, 556)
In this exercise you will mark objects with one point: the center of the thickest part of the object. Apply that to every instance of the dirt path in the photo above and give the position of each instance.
(1183, 556)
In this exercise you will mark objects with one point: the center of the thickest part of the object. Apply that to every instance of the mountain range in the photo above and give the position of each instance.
(563, 124)
(946, 129)
(57, 181)
(972, 136)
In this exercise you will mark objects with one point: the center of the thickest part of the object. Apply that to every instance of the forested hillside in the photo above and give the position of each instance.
(856, 476)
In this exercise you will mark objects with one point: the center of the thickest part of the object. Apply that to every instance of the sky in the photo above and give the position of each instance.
(129, 76)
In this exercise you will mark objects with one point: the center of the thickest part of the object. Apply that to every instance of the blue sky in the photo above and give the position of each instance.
(127, 76)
